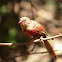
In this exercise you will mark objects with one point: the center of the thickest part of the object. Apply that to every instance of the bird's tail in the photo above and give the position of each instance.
(50, 49)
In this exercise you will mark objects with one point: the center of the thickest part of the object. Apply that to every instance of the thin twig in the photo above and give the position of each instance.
(50, 38)
(12, 44)
(27, 53)
(34, 7)
(35, 41)
(32, 10)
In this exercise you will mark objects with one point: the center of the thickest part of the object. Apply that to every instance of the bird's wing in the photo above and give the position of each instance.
(38, 27)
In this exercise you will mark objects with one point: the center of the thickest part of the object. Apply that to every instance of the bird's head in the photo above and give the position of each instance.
(24, 20)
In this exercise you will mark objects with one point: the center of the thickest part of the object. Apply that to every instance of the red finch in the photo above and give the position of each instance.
(34, 30)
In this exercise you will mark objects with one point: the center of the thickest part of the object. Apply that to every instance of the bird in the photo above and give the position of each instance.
(35, 30)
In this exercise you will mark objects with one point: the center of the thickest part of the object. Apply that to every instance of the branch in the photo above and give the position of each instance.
(27, 53)
(34, 6)
(35, 41)
(12, 44)
(32, 10)
(50, 38)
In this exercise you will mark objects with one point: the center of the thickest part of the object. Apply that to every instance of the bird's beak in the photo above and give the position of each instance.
(20, 21)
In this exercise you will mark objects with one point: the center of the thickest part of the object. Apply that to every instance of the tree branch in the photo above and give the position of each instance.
(27, 53)
(35, 41)
(32, 10)
(50, 38)
(12, 44)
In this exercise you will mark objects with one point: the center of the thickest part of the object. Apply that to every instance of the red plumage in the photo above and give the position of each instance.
(30, 33)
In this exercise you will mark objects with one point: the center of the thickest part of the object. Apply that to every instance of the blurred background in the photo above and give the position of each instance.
(46, 12)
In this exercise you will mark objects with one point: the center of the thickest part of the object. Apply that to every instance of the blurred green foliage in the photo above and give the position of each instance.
(3, 9)
(12, 32)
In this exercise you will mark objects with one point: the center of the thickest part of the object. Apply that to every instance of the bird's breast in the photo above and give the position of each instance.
(30, 33)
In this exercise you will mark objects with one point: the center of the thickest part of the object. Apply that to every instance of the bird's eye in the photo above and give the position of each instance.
(24, 20)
